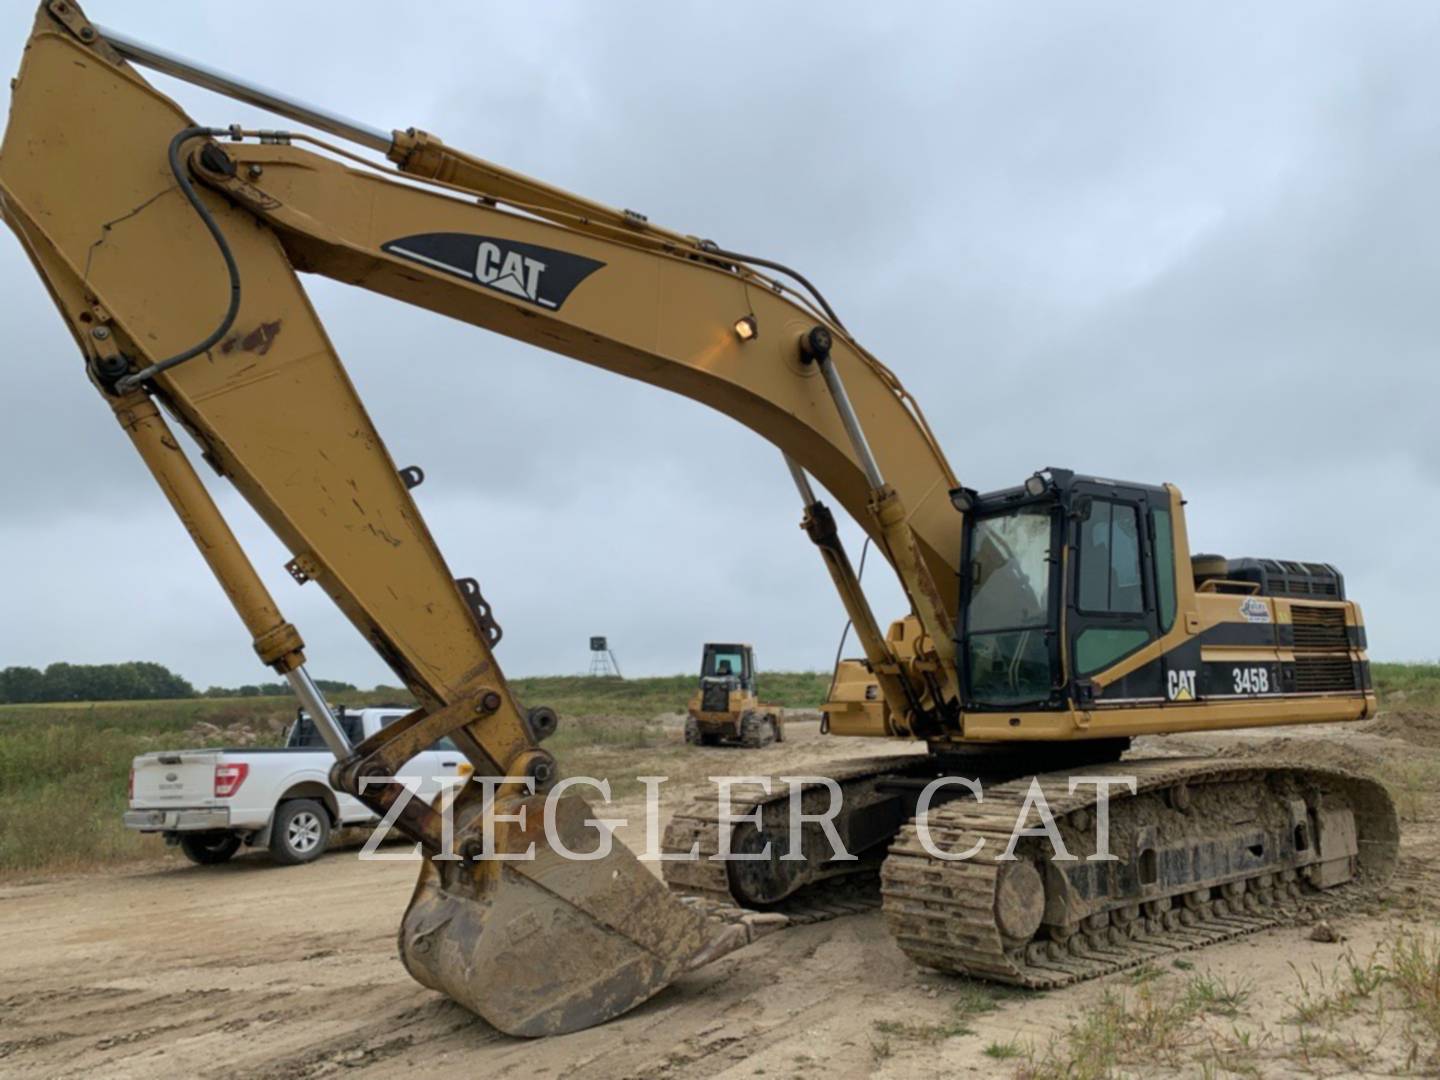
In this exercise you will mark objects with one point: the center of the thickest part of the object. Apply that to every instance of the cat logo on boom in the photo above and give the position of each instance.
(1180, 685)
(537, 275)
(508, 270)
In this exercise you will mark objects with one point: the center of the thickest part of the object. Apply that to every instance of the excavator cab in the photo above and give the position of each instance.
(1063, 577)
(1079, 594)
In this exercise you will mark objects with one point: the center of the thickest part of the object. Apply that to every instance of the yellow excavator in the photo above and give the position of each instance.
(1050, 622)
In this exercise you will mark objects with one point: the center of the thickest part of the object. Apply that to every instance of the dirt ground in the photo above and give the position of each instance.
(252, 970)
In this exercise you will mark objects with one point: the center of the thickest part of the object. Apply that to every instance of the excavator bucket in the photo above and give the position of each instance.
(551, 943)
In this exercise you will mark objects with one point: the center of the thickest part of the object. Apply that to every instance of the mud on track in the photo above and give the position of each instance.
(252, 970)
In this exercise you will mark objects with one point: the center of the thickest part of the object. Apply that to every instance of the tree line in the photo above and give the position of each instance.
(135, 680)
(272, 689)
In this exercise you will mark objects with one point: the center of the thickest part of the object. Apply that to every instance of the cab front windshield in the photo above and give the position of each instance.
(1007, 651)
(723, 662)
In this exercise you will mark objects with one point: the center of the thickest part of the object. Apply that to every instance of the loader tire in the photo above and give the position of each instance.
(208, 848)
(300, 832)
(756, 731)
(692, 732)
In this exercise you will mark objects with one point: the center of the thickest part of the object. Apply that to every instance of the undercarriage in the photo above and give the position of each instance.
(1201, 851)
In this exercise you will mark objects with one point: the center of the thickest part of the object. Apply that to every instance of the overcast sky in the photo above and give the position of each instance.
(1187, 243)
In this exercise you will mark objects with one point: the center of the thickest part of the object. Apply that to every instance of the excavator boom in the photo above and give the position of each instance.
(147, 227)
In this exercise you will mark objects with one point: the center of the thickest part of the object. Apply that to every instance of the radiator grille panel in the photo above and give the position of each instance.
(1317, 673)
(1318, 627)
(1299, 586)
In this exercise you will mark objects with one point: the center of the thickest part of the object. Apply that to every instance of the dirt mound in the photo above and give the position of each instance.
(1420, 728)
(1317, 752)
(238, 730)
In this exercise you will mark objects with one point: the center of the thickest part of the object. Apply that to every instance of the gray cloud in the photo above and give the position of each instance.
(1175, 244)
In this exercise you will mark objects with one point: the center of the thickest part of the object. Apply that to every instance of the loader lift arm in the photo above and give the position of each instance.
(97, 183)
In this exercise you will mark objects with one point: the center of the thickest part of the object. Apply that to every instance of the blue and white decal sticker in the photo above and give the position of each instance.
(1253, 609)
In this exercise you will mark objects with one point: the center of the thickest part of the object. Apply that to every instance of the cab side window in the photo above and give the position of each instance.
(1110, 560)
(1164, 568)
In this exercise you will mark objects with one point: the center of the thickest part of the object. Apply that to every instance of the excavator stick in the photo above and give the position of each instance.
(128, 249)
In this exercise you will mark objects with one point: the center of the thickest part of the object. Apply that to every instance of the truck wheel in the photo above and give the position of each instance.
(299, 832)
(692, 732)
(209, 848)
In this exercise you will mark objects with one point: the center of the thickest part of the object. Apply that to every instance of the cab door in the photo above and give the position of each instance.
(1111, 608)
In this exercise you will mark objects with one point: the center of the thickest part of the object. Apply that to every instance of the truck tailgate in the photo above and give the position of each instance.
(175, 778)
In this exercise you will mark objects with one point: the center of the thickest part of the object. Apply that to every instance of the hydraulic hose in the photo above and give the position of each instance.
(129, 382)
(782, 268)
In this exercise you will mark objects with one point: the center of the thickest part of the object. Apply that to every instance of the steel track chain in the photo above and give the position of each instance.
(942, 913)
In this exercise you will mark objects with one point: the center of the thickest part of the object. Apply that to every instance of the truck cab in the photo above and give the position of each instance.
(211, 802)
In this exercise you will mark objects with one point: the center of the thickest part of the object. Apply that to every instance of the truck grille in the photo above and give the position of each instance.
(1318, 627)
(715, 699)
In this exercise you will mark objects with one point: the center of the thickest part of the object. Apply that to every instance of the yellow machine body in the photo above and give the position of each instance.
(725, 708)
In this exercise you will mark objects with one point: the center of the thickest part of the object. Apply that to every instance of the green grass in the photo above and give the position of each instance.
(1407, 685)
(1217, 995)
(1414, 971)
(968, 999)
(1003, 1051)
(642, 699)
(62, 789)
(1146, 1026)
(1351, 1018)
(64, 767)
(1391, 997)
(64, 771)
(150, 717)
(1413, 784)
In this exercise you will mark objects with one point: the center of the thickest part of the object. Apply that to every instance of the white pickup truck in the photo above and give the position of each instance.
(211, 802)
